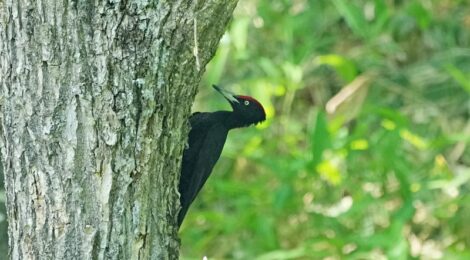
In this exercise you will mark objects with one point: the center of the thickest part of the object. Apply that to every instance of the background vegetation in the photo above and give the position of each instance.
(365, 151)
(379, 171)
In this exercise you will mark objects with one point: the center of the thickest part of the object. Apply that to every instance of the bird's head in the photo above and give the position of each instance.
(246, 109)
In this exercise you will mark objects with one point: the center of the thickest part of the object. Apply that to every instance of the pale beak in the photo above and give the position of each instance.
(227, 94)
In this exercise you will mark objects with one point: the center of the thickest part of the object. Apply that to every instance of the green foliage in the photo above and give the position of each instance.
(389, 181)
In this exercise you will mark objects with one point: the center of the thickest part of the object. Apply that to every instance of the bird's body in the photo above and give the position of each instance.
(207, 136)
(206, 140)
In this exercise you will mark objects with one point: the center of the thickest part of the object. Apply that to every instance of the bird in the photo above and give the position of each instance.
(206, 140)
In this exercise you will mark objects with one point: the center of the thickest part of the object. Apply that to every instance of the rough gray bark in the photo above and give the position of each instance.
(94, 101)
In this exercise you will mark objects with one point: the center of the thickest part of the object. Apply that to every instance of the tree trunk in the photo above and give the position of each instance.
(95, 97)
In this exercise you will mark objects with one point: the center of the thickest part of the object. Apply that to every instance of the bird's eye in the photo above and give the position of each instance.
(246, 102)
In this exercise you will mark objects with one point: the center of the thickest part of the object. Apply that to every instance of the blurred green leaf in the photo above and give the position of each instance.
(281, 196)
(319, 139)
(421, 15)
(346, 68)
(381, 16)
(459, 77)
(353, 16)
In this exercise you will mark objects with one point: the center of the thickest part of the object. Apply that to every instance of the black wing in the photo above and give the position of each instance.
(205, 143)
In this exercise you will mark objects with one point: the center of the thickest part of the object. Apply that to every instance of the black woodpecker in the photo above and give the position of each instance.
(206, 140)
